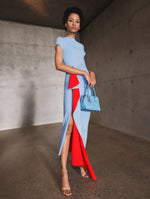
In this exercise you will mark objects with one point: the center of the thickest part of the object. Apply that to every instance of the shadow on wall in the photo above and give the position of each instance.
(28, 104)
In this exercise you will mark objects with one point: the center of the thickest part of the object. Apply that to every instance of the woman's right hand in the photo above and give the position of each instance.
(87, 77)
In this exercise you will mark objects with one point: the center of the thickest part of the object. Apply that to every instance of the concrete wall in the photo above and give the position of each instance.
(31, 89)
(117, 45)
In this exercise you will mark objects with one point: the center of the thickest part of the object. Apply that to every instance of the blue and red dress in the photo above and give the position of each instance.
(74, 87)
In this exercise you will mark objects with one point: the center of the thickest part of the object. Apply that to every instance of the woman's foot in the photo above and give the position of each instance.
(65, 188)
(83, 172)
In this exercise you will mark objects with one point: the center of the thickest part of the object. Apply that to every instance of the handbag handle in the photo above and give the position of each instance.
(93, 89)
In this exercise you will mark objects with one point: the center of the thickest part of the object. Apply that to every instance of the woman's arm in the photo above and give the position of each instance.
(65, 68)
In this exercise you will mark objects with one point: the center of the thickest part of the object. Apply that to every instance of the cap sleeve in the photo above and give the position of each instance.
(59, 41)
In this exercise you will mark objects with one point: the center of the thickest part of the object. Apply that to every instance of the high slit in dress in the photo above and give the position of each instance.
(74, 87)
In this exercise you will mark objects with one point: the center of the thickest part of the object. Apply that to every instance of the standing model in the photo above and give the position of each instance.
(69, 58)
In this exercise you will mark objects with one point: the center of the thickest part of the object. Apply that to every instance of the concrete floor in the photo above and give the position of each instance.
(30, 166)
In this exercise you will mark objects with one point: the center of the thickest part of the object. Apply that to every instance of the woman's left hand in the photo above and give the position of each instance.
(92, 79)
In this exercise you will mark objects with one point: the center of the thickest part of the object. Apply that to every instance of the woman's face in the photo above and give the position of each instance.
(73, 23)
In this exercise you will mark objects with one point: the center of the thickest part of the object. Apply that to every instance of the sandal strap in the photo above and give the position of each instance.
(66, 188)
(64, 170)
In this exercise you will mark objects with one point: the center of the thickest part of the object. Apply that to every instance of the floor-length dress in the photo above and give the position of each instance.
(74, 87)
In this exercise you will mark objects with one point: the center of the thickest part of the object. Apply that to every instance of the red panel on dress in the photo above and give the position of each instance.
(79, 156)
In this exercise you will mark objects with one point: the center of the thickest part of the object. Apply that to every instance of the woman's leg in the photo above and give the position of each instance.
(64, 157)
(65, 148)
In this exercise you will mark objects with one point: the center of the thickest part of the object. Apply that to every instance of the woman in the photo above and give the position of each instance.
(69, 58)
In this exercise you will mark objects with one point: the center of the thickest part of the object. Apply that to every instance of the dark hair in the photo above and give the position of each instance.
(70, 10)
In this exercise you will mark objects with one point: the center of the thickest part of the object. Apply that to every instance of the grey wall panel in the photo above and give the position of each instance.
(31, 89)
(117, 47)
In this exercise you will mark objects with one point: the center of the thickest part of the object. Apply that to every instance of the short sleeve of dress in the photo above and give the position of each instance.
(59, 41)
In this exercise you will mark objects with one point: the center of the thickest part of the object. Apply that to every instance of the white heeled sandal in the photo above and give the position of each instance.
(84, 175)
(65, 190)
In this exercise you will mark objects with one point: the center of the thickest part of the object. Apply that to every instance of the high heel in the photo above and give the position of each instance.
(65, 190)
(84, 175)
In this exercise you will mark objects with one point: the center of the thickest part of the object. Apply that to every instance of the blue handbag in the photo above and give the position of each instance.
(90, 102)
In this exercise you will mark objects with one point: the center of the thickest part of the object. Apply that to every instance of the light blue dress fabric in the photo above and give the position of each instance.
(73, 55)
